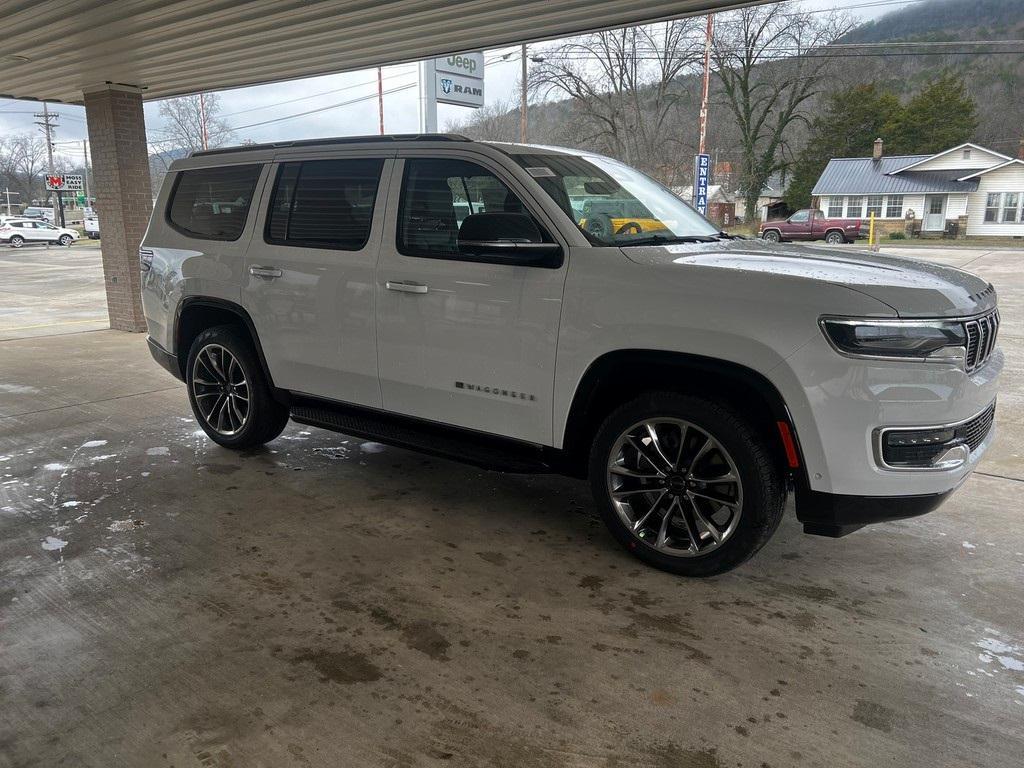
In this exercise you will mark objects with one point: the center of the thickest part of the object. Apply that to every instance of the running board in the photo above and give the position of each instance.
(469, 447)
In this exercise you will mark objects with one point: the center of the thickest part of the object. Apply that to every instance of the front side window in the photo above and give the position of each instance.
(213, 203)
(894, 207)
(1010, 200)
(324, 203)
(874, 206)
(835, 207)
(438, 195)
(613, 204)
(800, 217)
(853, 206)
(992, 207)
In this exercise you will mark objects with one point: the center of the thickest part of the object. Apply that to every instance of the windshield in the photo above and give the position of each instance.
(614, 204)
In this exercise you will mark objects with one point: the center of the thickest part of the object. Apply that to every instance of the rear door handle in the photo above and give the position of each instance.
(406, 287)
(267, 273)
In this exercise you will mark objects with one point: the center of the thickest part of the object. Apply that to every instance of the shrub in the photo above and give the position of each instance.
(897, 236)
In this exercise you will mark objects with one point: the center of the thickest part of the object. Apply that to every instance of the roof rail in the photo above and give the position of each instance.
(394, 137)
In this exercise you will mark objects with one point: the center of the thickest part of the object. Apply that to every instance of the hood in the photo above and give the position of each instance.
(912, 288)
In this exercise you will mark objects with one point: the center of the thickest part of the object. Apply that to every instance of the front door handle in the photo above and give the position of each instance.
(267, 273)
(406, 287)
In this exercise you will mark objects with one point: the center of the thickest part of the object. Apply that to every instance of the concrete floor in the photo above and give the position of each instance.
(325, 602)
(48, 290)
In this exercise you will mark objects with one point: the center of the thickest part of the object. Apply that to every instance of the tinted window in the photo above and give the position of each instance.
(324, 203)
(212, 203)
(438, 195)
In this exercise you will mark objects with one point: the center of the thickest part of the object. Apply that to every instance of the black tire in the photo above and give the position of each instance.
(763, 488)
(65, 240)
(771, 236)
(600, 225)
(16, 241)
(835, 238)
(265, 418)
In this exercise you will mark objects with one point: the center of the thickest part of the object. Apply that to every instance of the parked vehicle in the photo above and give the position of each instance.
(440, 294)
(811, 224)
(36, 212)
(91, 225)
(18, 232)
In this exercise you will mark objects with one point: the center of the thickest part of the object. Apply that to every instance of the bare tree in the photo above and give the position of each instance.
(23, 164)
(498, 121)
(625, 92)
(770, 59)
(183, 129)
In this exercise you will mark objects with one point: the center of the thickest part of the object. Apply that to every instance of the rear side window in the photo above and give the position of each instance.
(213, 203)
(324, 203)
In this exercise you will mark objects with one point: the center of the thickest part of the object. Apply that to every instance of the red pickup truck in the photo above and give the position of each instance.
(811, 224)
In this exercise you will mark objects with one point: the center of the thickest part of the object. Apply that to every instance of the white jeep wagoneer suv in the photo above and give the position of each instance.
(539, 309)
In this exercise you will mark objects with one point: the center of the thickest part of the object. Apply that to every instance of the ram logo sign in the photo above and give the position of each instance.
(460, 79)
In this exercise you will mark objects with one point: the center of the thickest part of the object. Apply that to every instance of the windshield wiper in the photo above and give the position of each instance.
(668, 240)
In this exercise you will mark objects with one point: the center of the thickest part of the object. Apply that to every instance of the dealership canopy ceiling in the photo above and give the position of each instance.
(56, 48)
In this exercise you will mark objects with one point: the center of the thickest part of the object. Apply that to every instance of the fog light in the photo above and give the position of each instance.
(936, 448)
(924, 437)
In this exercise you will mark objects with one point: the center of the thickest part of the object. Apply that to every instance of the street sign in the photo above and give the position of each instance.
(459, 79)
(701, 178)
(71, 182)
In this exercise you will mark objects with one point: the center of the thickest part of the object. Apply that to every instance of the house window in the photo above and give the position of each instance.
(1010, 201)
(967, 154)
(835, 207)
(894, 207)
(853, 206)
(992, 207)
(874, 206)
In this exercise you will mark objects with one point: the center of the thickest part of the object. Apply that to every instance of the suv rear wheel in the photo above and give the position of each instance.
(228, 391)
(686, 484)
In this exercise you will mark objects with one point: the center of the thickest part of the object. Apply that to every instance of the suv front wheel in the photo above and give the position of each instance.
(228, 392)
(686, 484)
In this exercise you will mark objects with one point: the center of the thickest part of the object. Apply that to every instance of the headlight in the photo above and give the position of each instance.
(902, 339)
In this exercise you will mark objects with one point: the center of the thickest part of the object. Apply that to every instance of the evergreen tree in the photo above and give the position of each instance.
(851, 121)
(940, 116)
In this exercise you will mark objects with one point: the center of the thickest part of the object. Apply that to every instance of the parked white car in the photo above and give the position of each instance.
(92, 226)
(444, 295)
(18, 232)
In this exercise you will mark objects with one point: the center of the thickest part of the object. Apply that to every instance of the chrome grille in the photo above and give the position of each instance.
(981, 339)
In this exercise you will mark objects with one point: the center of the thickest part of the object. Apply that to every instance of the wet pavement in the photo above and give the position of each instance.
(327, 601)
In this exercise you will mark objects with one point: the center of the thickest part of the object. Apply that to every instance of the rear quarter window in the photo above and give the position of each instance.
(213, 203)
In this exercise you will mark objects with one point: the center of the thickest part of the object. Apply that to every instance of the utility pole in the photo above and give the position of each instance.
(202, 121)
(523, 103)
(48, 124)
(380, 98)
(7, 194)
(701, 146)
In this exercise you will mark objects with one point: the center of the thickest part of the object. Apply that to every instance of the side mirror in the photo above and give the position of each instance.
(513, 239)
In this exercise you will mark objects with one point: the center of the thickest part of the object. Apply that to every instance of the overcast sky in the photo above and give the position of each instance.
(244, 107)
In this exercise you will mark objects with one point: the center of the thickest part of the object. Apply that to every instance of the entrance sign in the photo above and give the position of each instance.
(701, 177)
(67, 182)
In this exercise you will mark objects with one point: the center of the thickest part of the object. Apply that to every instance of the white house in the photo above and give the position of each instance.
(979, 189)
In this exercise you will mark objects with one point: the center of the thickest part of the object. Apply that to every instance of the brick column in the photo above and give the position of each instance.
(120, 169)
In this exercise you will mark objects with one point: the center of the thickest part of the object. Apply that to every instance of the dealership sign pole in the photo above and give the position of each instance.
(701, 173)
(457, 79)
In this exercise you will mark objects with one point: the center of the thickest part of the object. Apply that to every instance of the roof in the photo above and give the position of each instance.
(863, 175)
(925, 158)
(57, 50)
(331, 141)
(983, 171)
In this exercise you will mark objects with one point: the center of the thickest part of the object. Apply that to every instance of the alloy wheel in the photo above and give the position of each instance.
(220, 390)
(675, 487)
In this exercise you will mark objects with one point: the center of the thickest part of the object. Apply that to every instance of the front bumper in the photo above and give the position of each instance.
(834, 515)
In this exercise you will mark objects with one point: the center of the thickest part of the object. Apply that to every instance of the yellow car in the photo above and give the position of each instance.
(603, 225)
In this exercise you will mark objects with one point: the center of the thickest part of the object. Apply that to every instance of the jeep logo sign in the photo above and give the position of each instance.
(468, 65)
